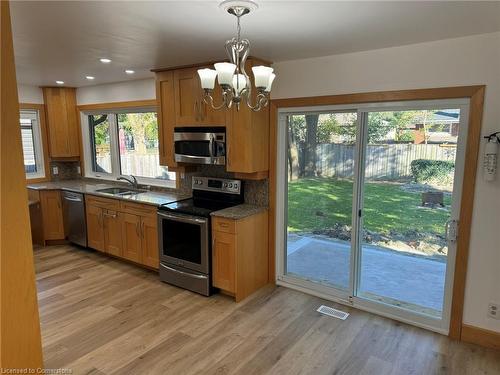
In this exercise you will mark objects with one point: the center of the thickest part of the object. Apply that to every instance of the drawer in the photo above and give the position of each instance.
(138, 208)
(108, 203)
(221, 224)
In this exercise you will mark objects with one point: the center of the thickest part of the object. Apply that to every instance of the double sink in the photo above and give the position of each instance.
(119, 191)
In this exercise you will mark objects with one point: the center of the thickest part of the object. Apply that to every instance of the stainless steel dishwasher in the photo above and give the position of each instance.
(75, 225)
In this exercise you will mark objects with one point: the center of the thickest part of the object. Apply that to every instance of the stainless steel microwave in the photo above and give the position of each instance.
(200, 145)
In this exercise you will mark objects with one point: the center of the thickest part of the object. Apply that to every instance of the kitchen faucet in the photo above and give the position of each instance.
(132, 180)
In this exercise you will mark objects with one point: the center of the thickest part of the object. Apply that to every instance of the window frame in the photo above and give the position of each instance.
(114, 149)
(38, 145)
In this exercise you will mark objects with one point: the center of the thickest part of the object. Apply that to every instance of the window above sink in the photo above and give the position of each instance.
(122, 142)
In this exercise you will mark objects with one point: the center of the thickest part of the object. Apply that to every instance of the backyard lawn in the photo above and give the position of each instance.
(319, 203)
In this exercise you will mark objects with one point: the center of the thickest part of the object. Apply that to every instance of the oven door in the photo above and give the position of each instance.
(200, 148)
(184, 241)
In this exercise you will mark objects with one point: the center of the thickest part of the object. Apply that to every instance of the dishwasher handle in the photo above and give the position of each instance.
(72, 199)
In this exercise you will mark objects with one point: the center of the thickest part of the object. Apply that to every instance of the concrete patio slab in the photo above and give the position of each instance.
(406, 278)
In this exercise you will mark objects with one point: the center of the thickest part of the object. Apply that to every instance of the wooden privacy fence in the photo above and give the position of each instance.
(384, 162)
(140, 165)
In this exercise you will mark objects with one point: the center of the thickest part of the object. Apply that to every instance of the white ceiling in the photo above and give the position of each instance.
(63, 40)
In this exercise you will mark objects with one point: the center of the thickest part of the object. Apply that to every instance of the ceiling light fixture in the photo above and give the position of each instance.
(129, 71)
(60, 82)
(232, 77)
(90, 78)
(105, 61)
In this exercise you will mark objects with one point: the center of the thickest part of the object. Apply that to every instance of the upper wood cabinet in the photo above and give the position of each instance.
(52, 215)
(180, 103)
(166, 117)
(62, 122)
(190, 109)
(248, 136)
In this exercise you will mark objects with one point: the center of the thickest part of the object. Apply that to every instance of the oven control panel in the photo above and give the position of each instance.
(217, 184)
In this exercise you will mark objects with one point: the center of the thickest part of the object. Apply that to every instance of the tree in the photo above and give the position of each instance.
(142, 127)
(310, 154)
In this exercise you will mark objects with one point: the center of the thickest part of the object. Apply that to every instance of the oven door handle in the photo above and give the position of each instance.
(182, 272)
(183, 218)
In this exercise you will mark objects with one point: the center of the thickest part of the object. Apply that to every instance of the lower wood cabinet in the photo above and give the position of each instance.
(123, 229)
(52, 215)
(131, 229)
(95, 228)
(240, 254)
(150, 255)
(112, 232)
(224, 261)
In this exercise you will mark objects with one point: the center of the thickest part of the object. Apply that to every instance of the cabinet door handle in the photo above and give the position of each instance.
(142, 229)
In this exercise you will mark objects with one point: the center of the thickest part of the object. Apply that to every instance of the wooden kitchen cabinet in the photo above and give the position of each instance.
(112, 232)
(190, 109)
(240, 254)
(180, 103)
(52, 215)
(223, 261)
(131, 231)
(62, 122)
(104, 225)
(95, 230)
(187, 97)
(140, 232)
(149, 244)
(166, 117)
(247, 144)
(124, 229)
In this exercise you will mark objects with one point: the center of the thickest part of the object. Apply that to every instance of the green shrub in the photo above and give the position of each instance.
(432, 171)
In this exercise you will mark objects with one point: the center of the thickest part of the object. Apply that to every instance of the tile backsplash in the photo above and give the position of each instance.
(255, 191)
(67, 170)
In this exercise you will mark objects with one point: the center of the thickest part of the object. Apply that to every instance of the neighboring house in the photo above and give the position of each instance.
(441, 128)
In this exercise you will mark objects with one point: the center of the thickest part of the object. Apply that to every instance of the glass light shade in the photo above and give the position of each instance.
(207, 78)
(225, 72)
(239, 82)
(261, 75)
(270, 82)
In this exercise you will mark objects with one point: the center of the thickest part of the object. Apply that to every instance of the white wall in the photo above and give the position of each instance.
(453, 62)
(29, 94)
(143, 89)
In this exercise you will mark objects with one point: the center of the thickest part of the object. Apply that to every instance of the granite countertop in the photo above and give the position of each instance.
(155, 198)
(239, 212)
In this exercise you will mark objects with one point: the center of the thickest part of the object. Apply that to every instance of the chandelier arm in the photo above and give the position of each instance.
(260, 101)
(209, 100)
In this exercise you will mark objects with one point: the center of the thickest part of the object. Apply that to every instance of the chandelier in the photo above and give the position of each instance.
(232, 76)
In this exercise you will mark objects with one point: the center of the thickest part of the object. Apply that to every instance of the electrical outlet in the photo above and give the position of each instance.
(78, 170)
(494, 310)
(55, 170)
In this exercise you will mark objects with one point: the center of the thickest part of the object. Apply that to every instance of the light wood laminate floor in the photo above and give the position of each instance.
(103, 316)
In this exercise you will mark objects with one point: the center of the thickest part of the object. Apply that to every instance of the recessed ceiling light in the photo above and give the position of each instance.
(89, 77)
(60, 82)
(129, 71)
(105, 61)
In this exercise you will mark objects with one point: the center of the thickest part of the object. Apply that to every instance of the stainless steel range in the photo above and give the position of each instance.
(185, 232)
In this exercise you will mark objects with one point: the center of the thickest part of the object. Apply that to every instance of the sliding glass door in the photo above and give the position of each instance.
(320, 176)
(370, 205)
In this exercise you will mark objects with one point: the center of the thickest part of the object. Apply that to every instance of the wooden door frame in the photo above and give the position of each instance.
(475, 94)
